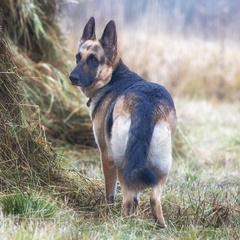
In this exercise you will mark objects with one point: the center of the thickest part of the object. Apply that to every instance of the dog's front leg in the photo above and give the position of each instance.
(110, 176)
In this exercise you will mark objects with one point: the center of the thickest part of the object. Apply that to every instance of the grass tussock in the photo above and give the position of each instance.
(43, 64)
(27, 158)
(25, 154)
(28, 205)
(31, 26)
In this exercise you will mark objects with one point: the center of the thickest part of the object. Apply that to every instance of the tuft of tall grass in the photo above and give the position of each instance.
(31, 26)
(27, 205)
(27, 159)
(43, 64)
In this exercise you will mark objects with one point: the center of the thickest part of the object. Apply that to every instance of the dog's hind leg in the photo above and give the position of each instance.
(110, 176)
(130, 197)
(155, 202)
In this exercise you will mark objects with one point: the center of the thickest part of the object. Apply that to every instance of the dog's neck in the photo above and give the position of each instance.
(119, 67)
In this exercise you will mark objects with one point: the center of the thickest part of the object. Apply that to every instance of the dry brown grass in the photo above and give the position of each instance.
(27, 158)
(187, 67)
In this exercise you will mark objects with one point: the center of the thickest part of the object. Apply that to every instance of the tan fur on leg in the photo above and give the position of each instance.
(110, 177)
(129, 201)
(155, 201)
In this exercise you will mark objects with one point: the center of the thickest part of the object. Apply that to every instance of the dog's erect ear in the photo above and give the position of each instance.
(109, 37)
(88, 31)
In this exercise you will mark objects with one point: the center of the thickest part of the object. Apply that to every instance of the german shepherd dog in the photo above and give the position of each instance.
(133, 120)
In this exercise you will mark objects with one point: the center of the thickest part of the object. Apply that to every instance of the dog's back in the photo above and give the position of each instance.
(138, 123)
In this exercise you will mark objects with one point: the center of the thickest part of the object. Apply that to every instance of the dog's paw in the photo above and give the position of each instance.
(160, 224)
(136, 202)
(111, 199)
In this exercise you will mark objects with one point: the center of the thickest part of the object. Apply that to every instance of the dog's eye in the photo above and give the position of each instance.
(78, 57)
(92, 59)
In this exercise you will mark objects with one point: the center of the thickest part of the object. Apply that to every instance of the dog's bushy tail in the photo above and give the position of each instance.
(135, 172)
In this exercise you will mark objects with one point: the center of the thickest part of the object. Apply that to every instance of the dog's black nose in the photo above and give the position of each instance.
(74, 78)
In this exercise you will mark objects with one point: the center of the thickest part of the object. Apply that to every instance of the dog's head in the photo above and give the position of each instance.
(96, 59)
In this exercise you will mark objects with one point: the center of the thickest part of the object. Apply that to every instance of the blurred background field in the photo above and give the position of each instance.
(50, 174)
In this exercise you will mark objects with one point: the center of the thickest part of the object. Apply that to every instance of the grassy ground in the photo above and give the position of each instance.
(201, 199)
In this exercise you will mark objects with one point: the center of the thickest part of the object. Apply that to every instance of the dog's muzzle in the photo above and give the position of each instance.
(81, 80)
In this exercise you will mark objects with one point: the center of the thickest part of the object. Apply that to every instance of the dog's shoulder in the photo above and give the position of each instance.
(128, 83)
